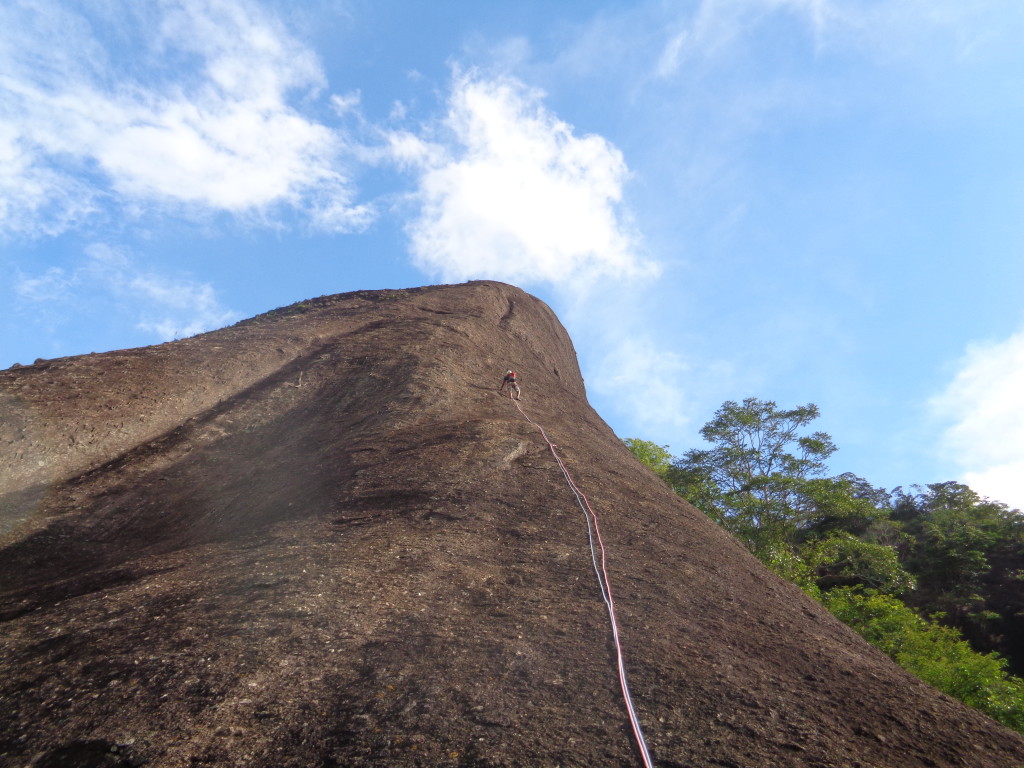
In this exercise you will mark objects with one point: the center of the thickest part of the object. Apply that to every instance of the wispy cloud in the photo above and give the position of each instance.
(167, 307)
(982, 403)
(719, 29)
(716, 28)
(51, 286)
(513, 193)
(649, 383)
(79, 131)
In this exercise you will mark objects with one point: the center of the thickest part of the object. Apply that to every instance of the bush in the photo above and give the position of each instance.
(938, 655)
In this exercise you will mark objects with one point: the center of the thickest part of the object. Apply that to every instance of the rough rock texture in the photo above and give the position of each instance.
(321, 538)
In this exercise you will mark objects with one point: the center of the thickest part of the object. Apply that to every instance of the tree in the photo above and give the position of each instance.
(843, 560)
(968, 555)
(763, 479)
(956, 533)
(848, 544)
(857, 508)
(654, 457)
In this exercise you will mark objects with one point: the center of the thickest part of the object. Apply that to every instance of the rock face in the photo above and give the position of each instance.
(322, 538)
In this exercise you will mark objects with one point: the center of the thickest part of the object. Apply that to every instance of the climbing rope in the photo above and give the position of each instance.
(603, 583)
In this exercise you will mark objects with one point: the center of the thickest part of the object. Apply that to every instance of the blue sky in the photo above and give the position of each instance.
(799, 200)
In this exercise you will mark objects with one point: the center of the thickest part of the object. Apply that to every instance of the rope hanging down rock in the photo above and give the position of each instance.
(602, 579)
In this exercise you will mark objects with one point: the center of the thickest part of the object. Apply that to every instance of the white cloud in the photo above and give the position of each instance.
(52, 285)
(661, 395)
(344, 104)
(220, 135)
(246, 52)
(36, 197)
(517, 195)
(718, 28)
(182, 307)
(648, 382)
(165, 306)
(983, 402)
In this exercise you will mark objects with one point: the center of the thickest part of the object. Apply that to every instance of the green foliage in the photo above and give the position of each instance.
(764, 480)
(786, 562)
(654, 457)
(844, 560)
(956, 535)
(756, 449)
(859, 549)
(936, 654)
(966, 552)
(696, 486)
(845, 503)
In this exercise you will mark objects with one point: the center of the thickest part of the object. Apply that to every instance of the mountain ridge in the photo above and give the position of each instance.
(321, 537)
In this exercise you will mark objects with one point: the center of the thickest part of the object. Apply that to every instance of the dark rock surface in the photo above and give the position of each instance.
(321, 538)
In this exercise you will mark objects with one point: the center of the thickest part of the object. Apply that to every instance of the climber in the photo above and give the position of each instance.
(510, 379)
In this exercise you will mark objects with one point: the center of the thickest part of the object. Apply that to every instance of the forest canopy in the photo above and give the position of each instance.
(933, 576)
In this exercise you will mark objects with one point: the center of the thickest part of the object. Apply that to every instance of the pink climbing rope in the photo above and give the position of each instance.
(603, 583)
